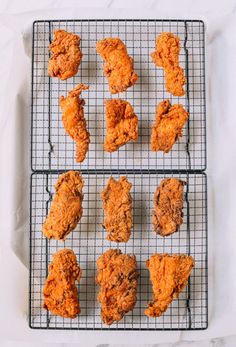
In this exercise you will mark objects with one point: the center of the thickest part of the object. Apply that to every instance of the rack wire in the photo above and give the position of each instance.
(53, 152)
(53, 149)
(88, 241)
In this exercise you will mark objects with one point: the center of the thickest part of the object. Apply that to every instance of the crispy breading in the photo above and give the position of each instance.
(118, 67)
(66, 208)
(117, 205)
(168, 126)
(60, 292)
(169, 275)
(121, 123)
(168, 206)
(65, 55)
(166, 55)
(74, 121)
(118, 278)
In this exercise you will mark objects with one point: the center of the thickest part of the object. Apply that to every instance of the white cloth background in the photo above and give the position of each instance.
(16, 18)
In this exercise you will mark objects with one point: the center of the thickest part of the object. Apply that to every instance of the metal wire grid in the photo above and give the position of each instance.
(88, 242)
(52, 149)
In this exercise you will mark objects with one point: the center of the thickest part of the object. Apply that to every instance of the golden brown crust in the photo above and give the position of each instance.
(168, 126)
(65, 55)
(122, 124)
(166, 55)
(168, 206)
(117, 205)
(60, 292)
(119, 67)
(74, 121)
(169, 275)
(66, 208)
(118, 278)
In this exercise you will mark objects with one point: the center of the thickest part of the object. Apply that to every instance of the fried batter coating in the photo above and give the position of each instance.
(168, 126)
(66, 208)
(168, 206)
(117, 205)
(66, 55)
(167, 56)
(118, 278)
(169, 275)
(122, 124)
(119, 67)
(60, 292)
(74, 121)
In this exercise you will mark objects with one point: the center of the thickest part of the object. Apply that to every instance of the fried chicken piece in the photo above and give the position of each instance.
(118, 278)
(167, 56)
(168, 126)
(117, 205)
(66, 55)
(119, 66)
(122, 124)
(66, 208)
(74, 121)
(169, 275)
(60, 292)
(168, 206)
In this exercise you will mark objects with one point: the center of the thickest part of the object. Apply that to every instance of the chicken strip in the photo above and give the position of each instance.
(168, 206)
(122, 124)
(167, 56)
(60, 292)
(118, 278)
(74, 121)
(65, 55)
(117, 204)
(169, 275)
(119, 66)
(66, 208)
(168, 126)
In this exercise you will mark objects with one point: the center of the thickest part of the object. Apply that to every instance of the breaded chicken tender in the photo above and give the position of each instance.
(168, 206)
(118, 67)
(168, 126)
(117, 205)
(169, 276)
(74, 121)
(166, 55)
(65, 55)
(118, 278)
(66, 208)
(60, 292)
(122, 124)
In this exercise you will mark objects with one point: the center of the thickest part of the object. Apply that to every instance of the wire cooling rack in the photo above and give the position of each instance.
(88, 242)
(52, 149)
(53, 152)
